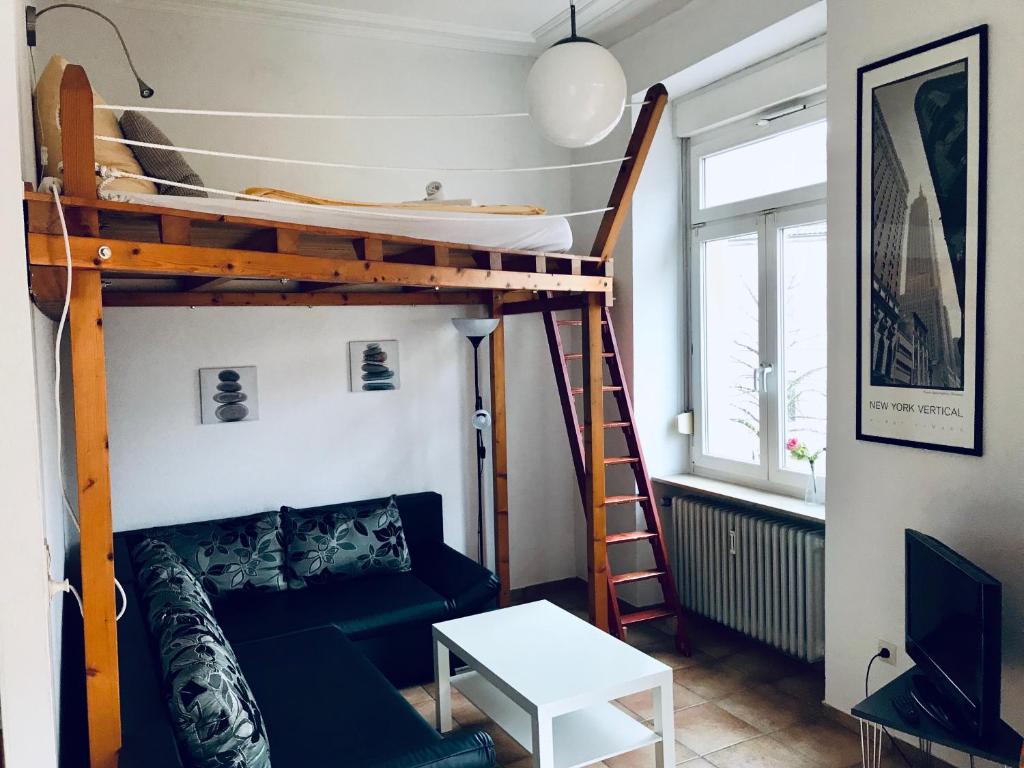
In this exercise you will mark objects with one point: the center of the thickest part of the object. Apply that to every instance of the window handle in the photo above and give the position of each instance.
(761, 374)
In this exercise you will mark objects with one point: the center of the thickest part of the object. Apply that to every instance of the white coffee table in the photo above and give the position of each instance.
(548, 679)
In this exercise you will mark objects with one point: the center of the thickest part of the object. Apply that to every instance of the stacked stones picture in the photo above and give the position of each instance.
(373, 366)
(228, 395)
(921, 237)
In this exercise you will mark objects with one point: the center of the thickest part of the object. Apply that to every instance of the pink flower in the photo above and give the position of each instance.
(791, 443)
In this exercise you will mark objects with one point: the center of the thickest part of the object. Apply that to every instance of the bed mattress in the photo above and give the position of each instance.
(530, 233)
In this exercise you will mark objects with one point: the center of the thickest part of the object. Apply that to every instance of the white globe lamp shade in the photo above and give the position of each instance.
(576, 93)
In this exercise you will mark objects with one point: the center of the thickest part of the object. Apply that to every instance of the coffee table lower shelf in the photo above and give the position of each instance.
(582, 737)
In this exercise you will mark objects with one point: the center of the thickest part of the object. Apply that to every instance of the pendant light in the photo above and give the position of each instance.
(576, 91)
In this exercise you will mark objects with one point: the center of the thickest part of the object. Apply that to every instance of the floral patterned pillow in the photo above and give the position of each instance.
(232, 554)
(344, 541)
(216, 720)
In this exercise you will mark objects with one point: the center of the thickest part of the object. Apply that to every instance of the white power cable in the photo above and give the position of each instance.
(66, 586)
(107, 174)
(353, 166)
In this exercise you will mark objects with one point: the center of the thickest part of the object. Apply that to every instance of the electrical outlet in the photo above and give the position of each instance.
(891, 648)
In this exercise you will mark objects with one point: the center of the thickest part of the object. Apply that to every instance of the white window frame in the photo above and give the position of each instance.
(768, 216)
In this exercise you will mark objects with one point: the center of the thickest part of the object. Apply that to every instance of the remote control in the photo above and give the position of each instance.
(906, 707)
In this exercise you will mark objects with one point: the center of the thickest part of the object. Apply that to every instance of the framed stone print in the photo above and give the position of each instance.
(921, 148)
(373, 366)
(228, 394)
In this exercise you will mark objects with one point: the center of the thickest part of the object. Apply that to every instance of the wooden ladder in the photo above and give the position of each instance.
(619, 621)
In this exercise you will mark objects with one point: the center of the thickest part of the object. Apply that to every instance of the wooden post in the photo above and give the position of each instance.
(78, 147)
(97, 540)
(629, 172)
(499, 452)
(593, 455)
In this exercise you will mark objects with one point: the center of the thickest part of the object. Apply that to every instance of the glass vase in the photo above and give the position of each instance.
(811, 493)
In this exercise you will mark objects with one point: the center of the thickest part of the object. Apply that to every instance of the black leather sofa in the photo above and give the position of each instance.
(324, 663)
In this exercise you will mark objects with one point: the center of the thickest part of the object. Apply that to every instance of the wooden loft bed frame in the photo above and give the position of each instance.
(119, 249)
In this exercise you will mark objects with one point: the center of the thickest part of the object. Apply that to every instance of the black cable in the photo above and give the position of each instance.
(884, 654)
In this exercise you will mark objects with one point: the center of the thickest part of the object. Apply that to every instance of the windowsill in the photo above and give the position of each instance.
(771, 502)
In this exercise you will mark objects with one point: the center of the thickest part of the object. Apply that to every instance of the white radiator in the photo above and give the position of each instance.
(762, 576)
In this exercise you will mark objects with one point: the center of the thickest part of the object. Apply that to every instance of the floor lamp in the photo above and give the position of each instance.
(476, 330)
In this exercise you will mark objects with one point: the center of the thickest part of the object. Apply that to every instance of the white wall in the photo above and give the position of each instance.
(26, 673)
(875, 491)
(209, 61)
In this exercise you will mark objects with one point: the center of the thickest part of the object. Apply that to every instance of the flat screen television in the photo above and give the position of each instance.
(954, 634)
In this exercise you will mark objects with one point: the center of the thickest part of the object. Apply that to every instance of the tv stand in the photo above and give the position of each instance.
(1004, 746)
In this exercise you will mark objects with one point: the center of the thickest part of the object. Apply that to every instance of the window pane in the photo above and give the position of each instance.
(730, 349)
(803, 338)
(778, 163)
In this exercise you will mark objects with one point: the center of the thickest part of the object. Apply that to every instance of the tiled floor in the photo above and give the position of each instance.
(738, 705)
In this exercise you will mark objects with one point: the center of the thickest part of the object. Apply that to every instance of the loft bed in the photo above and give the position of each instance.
(148, 255)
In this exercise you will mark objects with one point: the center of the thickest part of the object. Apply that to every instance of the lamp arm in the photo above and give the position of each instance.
(32, 16)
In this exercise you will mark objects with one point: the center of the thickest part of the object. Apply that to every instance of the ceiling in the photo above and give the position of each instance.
(521, 27)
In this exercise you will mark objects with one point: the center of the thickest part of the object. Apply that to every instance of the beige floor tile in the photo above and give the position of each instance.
(708, 728)
(642, 636)
(415, 694)
(508, 749)
(464, 711)
(767, 662)
(716, 680)
(763, 752)
(428, 712)
(807, 686)
(823, 742)
(697, 762)
(767, 708)
(644, 758)
(642, 704)
(667, 655)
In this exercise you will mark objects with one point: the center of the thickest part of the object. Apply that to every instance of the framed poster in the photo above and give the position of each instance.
(921, 133)
(373, 366)
(227, 395)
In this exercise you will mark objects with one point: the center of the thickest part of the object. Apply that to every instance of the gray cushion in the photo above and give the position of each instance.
(165, 164)
(232, 554)
(216, 720)
(344, 541)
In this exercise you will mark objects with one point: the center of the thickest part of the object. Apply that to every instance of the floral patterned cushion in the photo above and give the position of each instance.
(343, 541)
(228, 555)
(216, 719)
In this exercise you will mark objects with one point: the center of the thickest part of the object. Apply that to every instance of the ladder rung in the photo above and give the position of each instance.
(613, 425)
(626, 578)
(622, 538)
(650, 614)
(605, 388)
(576, 322)
(579, 355)
(623, 499)
(621, 460)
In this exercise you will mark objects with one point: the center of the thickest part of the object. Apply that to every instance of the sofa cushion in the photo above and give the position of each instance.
(239, 553)
(216, 720)
(326, 705)
(360, 608)
(344, 541)
(165, 164)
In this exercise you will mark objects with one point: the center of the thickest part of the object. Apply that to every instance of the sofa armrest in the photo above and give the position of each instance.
(461, 749)
(466, 586)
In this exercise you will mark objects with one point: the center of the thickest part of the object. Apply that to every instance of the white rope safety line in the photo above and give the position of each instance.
(107, 174)
(352, 166)
(307, 116)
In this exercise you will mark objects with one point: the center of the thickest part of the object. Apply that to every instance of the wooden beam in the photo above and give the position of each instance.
(555, 304)
(268, 299)
(369, 248)
(78, 152)
(499, 453)
(139, 258)
(48, 286)
(176, 230)
(629, 172)
(287, 240)
(97, 539)
(593, 454)
(306, 287)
